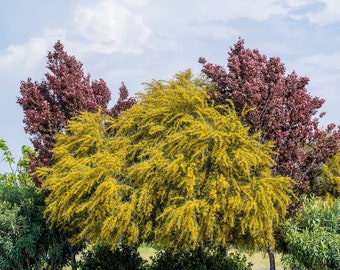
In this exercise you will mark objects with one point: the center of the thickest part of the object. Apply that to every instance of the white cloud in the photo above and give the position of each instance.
(110, 27)
(324, 12)
(323, 61)
(317, 11)
(215, 9)
(174, 23)
(233, 9)
(256, 10)
(299, 3)
(30, 54)
(134, 3)
(26, 55)
(329, 15)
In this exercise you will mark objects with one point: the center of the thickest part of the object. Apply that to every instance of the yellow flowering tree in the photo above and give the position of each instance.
(329, 179)
(175, 168)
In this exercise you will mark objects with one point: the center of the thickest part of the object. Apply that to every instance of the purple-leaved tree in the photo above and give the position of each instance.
(284, 112)
(64, 93)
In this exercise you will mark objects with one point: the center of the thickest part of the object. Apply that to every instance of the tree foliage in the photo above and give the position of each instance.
(26, 241)
(174, 168)
(329, 180)
(284, 111)
(128, 258)
(64, 93)
(199, 259)
(105, 258)
(19, 173)
(313, 236)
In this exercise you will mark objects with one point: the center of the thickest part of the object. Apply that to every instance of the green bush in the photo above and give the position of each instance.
(128, 258)
(313, 236)
(198, 259)
(121, 258)
(26, 241)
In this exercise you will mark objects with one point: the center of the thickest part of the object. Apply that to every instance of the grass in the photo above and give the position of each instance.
(261, 261)
(146, 252)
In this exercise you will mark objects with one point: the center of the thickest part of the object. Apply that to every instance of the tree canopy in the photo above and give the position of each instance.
(64, 93)
(284, 111)
(175, 168)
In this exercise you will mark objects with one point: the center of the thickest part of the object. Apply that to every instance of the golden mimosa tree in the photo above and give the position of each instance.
(329, 179)
(175, 169)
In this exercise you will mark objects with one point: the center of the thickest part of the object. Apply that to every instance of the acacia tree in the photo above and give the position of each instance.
(64, 93)
(284, 111)
(175, 168)
(329, 179)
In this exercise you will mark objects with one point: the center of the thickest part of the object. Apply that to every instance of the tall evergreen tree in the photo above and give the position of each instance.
(174, 168)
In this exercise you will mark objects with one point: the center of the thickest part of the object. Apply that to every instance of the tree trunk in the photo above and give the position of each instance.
(73, 252)
(271, 259)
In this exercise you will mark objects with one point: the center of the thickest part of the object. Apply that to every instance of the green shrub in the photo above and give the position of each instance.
(198, 259)
(26, 241)
(313, 236)
(121, 258)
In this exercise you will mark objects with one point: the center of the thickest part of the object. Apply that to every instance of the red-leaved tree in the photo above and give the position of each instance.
(64, 93)
(284, 111)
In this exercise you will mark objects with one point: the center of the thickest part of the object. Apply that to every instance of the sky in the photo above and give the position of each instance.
(136, 41)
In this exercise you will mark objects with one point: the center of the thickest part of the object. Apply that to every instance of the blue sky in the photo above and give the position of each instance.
(137, 40)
